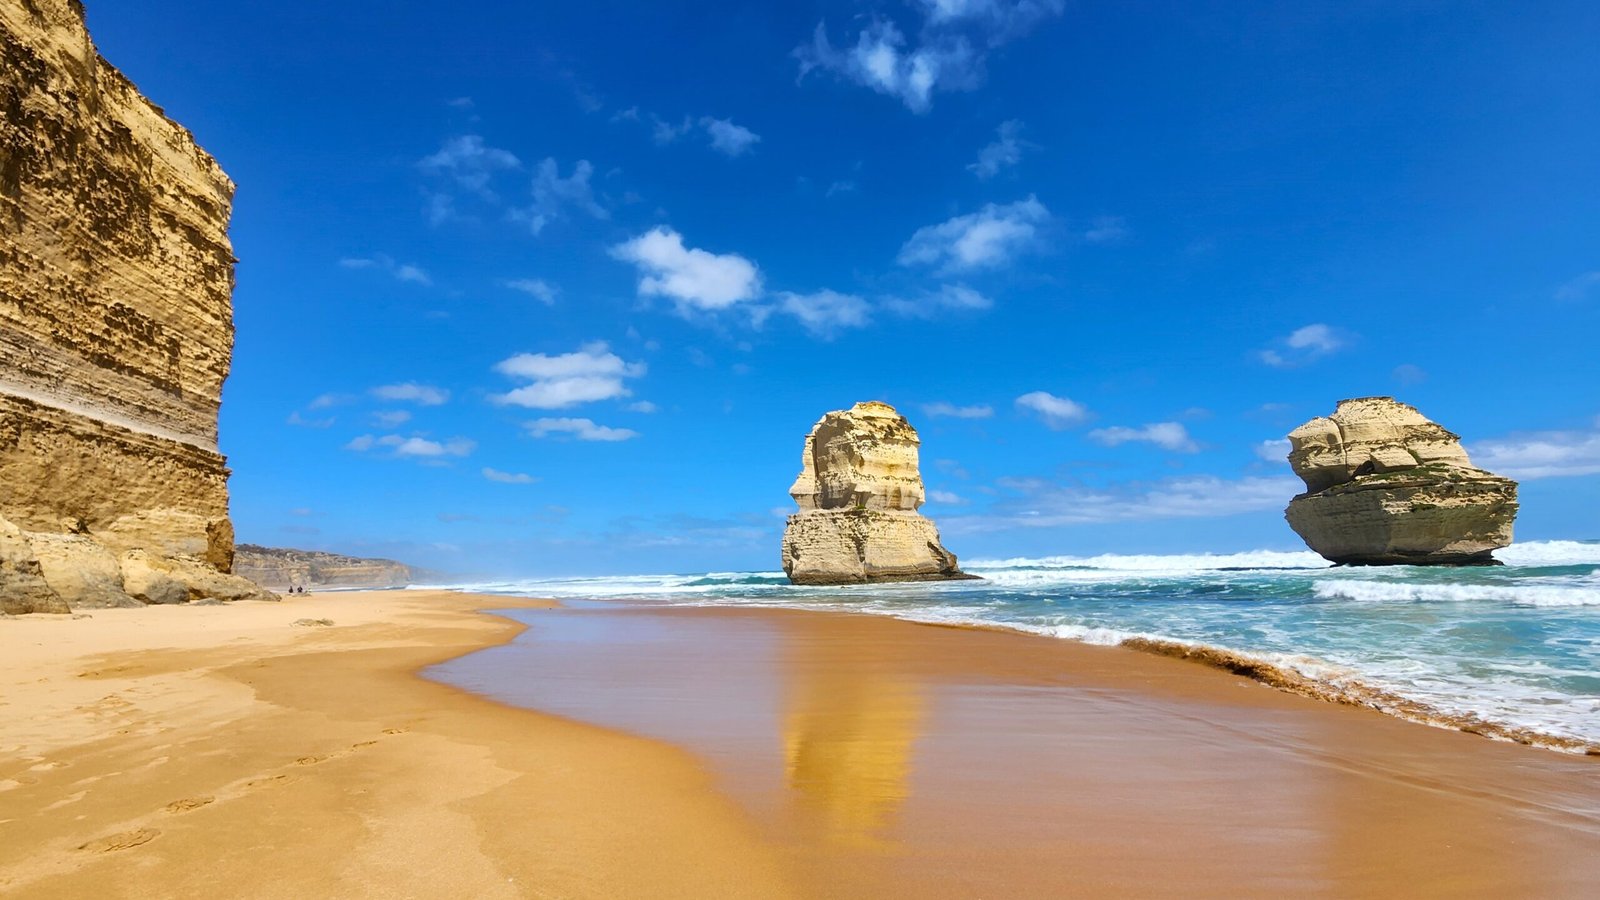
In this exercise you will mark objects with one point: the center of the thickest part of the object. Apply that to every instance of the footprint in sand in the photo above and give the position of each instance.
(394, 731)
(358, 746)
(310, 760)
(188, 803)
(121, 841)
(263, 782)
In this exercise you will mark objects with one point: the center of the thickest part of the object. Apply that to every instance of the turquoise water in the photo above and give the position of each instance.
(1517, 645)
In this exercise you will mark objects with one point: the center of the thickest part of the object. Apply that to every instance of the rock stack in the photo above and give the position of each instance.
(116, 333)
(1386, 486)
(859, 491)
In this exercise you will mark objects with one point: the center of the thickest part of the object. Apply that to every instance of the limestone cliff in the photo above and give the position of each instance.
(859, 490)
(277, 568)
(1386, 486)
(116, 318)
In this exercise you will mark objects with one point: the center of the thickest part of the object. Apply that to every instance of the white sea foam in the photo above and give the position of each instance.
(1543, 594)
(1551, 553)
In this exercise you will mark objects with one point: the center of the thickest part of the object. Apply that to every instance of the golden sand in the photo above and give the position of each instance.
(227, 751)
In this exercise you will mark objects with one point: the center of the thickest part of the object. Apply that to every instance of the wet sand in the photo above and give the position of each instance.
(225, 751)
(888, 758)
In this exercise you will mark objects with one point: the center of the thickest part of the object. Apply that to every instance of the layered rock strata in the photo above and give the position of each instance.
(116, 325)
(1386, 486)
(276, 568)
(859, 491)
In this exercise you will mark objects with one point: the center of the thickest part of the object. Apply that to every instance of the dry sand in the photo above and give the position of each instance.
(226, 751)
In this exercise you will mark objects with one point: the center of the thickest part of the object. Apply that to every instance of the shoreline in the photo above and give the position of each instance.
(181, 751)
(892, 757)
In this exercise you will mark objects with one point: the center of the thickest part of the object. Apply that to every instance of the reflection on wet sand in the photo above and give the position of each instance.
(849, 736)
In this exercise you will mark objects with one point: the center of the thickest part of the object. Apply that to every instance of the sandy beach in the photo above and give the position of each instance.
(639, 751)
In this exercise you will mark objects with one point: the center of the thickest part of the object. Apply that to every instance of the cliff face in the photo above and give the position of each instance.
(859, 490)
(116, 316)
(1384, 485)
(277, 568)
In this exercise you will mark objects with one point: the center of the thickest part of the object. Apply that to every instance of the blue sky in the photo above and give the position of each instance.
(560, 288)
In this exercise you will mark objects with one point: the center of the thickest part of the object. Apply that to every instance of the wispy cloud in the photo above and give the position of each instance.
(1540, 454)
(825, 313)
(1043, 504)
(947, 298)
(1580, 288)
(1274, 451)
(948, 498)
(412, 392)
(537, 288)
(1002, 153)
(1056, 412)
(469, 163)
(500, 477)
(588, 374)
(950, 410)
(412, 447)
(380, 262)
(1304, 345)
(727, 138)
(947, 54)
(1106, 230)
(391, 418)
(300, 421)
(554, 195)
(581, 429)
(1166, 435)
(987, 239)
(696, 280)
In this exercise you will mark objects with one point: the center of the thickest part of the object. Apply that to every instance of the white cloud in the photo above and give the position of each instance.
(380, 262)
(590, 373)
(948, 54)
(989, 238)
(1274, 451)
(643, 406)
(582, 429)
(949, 498)
(553, 195)
(695, 279)
(727, 138)
(840, 187)
(948, 298)
(412, 447)
(1047, 505)
(537, 288)
(1578, 288)
(470, 163)
(1166, 435)
(825, 312)
(393, 418)
(508, 477)
(1003, 153)
(952, 411)
(1541, 454)
(1057, 412)
(411, 392)
(1304, 345)
(422, 447)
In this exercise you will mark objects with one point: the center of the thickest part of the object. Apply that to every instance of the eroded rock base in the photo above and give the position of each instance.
(865, 546)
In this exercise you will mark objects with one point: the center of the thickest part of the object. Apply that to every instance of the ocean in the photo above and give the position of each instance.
(1510, 650)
